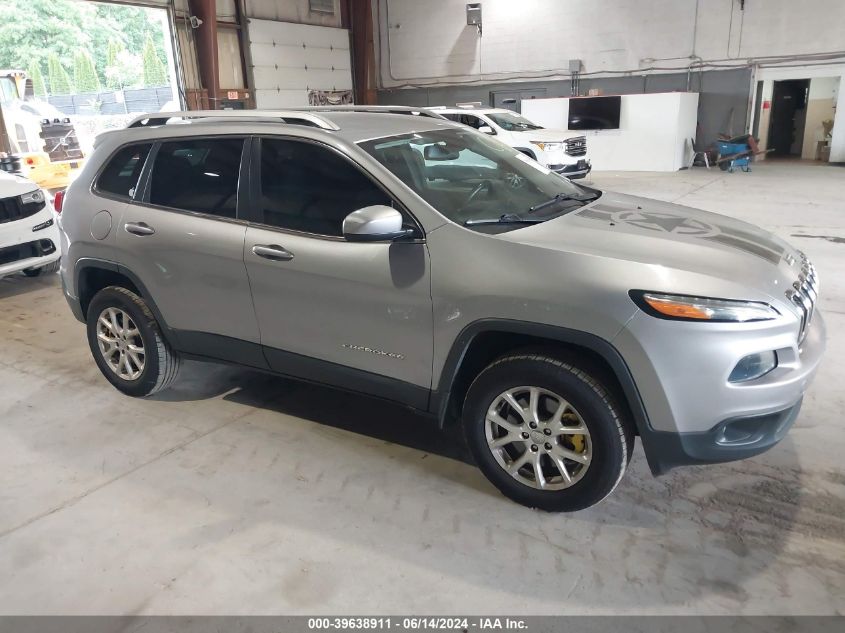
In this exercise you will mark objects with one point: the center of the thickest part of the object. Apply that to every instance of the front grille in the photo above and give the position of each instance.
(16, 253)
(12, 209)
(804, 294)
(576, 146)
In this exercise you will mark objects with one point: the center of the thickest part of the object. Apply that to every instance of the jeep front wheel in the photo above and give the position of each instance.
(546, 433)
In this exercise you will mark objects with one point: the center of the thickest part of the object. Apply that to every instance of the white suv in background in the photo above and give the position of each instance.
(561, 151)
(29, 237)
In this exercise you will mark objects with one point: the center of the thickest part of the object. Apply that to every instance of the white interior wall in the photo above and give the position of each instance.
(426, 42)
(655, 130)
(821, 106)
(837, 143)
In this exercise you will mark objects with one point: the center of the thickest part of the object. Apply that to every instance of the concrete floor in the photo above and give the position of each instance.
(241, 493)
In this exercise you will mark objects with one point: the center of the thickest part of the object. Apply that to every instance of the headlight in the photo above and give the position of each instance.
(686, 308)
(33, 197)
(539, 144)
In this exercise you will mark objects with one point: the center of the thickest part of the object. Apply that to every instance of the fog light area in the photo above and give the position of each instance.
(754, 366)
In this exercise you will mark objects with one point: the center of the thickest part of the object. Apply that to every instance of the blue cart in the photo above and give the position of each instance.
(733, 155)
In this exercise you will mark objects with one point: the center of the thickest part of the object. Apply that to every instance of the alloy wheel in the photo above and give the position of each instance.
(120, 343)
(538, 438)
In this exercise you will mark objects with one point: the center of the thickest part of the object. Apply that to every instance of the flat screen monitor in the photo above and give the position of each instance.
(594, 113)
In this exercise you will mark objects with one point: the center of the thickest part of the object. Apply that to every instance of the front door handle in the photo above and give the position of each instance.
(139, 228)
(272, 251)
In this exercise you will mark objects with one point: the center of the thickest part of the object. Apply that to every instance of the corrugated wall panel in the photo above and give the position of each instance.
(289, 59)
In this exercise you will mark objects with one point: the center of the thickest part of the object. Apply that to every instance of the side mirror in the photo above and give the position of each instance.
(486, 129)
(377, 223)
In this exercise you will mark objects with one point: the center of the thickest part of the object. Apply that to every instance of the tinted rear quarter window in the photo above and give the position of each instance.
(120, 176)
(198, 175)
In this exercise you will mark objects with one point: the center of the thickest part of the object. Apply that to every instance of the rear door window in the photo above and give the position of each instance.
(120, 176)
(199, 175)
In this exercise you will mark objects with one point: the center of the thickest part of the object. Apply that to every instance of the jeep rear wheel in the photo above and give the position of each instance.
(127, 343)
(546, 433)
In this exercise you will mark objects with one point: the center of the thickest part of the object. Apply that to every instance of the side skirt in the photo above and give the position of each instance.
(216, 348)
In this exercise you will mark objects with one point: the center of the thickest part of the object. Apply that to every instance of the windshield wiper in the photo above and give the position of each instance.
(580, 197)
(507, 218)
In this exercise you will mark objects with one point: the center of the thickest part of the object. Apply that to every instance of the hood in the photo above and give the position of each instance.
(648, 231)
(12, 185)
(546, 135)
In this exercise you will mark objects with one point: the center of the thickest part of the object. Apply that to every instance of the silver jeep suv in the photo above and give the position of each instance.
(400, 255)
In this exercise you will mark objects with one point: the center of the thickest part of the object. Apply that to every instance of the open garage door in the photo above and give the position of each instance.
(62, 85)
(292, 60)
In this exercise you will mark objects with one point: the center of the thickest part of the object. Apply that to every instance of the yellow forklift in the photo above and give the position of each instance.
(35, 138)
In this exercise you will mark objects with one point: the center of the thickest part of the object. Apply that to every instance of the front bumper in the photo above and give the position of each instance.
(695, 415)
(573, 171)
(730, 440)
(29, 243)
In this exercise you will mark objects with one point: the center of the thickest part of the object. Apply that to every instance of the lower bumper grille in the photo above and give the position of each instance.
(38, 248)
(582, 165)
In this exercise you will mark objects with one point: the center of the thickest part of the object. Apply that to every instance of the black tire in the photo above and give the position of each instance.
(161, 363)
(52, 267)
(611, 437)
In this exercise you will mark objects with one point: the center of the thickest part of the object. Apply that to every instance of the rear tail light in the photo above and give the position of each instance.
(58, 200)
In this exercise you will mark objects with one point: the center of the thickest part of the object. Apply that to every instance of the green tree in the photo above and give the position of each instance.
(128, 25)
(60, 83)
(126, 71)
(30, 30)
(112, 53)
(38, 85)
(155, 72)
(84, 74)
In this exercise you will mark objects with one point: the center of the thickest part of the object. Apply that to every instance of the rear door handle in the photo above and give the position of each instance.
(272, 251)
(139, 228)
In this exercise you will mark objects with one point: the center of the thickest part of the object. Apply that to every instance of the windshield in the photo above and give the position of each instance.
(469, 177)
(513, 122)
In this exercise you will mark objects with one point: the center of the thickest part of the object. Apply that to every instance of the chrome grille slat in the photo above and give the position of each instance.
(575, 146)
(804, 295)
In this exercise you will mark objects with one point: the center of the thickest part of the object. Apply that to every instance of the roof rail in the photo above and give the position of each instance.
(282, 116)
(469, 105)
(384, 109)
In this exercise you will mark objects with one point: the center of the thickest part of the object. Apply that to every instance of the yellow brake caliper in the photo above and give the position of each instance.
(577, 441)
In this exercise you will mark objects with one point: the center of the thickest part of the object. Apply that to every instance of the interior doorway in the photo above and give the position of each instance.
(789, 112)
